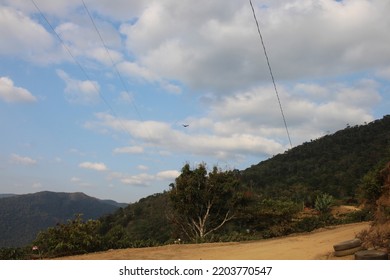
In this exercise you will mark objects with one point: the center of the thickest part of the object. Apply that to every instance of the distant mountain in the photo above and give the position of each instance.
(3, 195)
(23, 216)
(333, 163)
(114, 203)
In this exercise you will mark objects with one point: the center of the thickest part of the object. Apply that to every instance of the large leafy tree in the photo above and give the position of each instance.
(203, 202)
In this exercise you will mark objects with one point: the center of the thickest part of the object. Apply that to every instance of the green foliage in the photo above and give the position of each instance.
(371, 186)
(141, 223)
(358, 216)
(332, 164)
(323, 203)
(203, 202)
(116, 238)
(311, 223)
(74, 237)
(272, 217)
(308, 224)
(14, 253)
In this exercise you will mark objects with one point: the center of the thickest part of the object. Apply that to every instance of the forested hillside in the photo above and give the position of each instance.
(23, 216)
(334, 164)
(274, 189)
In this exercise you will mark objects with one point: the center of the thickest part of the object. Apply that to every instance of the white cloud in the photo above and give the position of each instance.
(80, 92)
(17, 159)
(139, 72)
(21, 36)
(13, 94)
(249, 123)
(82, 40)
(168, 174)
(216, 45)
(129, 150)
(142, 179)
(202, 143)
(98, 166)
(125, 98)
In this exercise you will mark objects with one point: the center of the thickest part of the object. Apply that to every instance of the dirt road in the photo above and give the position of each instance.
(308, 246)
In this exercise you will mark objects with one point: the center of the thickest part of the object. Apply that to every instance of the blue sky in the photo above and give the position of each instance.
(105, 117)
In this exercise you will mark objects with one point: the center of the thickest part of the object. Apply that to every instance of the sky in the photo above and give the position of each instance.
(94, 94)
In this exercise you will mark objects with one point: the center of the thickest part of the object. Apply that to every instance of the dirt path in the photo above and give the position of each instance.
(308, 246)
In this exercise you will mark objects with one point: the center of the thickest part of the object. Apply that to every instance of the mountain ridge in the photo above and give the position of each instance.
(23, 216)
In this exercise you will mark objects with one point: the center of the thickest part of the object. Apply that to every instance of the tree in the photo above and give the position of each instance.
(203, 202)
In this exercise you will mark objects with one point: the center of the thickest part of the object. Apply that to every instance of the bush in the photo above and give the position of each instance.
(323, 203)
(74, 237)
(358, 216)
(308, 224)
(14, 253)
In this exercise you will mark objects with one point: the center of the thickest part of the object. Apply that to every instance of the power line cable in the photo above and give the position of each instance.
(80, 67)
(111, 59)
(114, 65)
(270, 71)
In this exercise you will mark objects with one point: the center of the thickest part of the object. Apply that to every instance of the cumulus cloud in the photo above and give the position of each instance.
(98, 166)
(139, 72)
(142, 179)
(17, 159)
(165, 137)
(13, 94)
(82, 40)
(249, 123)
(168, 174)
(80, 92)
(216, 45)
(21, 36)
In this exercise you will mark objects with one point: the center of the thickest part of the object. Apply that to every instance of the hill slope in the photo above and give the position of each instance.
(23, 216)
(334, 163)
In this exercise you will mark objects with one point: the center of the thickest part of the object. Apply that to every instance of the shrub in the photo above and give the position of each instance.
(14, 253)
(323, 203)
(74, 237)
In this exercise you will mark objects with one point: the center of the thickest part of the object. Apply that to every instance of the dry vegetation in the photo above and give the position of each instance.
(378, 235)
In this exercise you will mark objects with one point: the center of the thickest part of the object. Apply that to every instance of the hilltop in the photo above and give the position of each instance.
(23, 216)
(334, 163)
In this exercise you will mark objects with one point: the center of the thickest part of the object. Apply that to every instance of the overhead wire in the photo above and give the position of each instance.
(82, 69)
(111, 59)
(271, 73)
(124, 85)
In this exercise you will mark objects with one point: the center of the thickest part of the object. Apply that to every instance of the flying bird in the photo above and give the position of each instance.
(185, 125)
